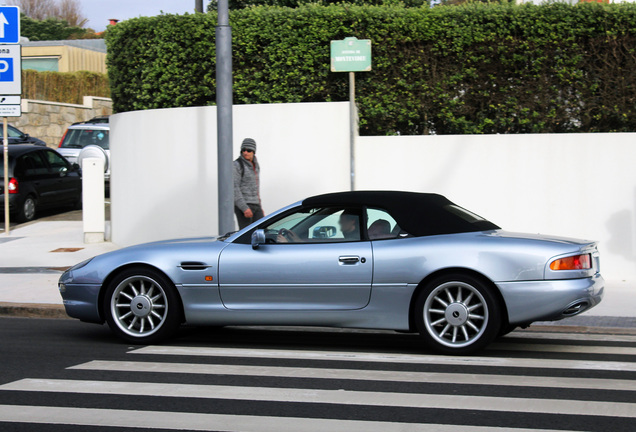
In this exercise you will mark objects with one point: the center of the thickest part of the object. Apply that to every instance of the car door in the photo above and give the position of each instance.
(63, 183)
(322, 269)
(32, 173)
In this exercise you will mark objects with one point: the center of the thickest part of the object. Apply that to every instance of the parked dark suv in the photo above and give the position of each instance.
(16, 136)
(39, 177)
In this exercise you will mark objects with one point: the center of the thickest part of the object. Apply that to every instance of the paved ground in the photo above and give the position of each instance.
(34, 255)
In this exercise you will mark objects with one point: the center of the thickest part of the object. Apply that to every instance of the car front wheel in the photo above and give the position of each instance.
(141, 306)
(457, 314)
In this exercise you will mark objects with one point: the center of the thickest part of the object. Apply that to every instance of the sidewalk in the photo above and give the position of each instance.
(32, 259)
(33, 256)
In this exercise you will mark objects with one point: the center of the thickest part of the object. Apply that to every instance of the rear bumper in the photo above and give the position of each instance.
(550, 300)
(14, 203)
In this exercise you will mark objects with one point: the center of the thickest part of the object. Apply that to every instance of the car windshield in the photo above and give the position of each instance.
(80, 138)
(14, 133)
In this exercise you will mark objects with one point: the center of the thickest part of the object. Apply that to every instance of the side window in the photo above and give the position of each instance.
(56, 162)
(316, 225)
(381, 225)
(30, 165)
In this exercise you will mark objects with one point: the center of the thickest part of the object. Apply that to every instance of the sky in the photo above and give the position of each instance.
(99, 12)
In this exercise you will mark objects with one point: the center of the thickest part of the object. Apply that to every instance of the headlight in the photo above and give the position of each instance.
(80, 265)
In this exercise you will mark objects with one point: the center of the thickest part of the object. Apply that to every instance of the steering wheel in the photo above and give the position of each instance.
(285, 233)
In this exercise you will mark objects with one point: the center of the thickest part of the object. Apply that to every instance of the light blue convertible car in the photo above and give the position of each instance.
(382, 260)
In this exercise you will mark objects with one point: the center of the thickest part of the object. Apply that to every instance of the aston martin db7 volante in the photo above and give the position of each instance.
(404, 261)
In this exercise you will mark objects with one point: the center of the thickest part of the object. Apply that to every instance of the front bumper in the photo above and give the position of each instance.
(550, 300)
(81, 301)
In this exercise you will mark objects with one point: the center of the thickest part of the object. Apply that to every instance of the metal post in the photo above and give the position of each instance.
(353, 126)
(224, 118)
(7, 228)
(198, 6)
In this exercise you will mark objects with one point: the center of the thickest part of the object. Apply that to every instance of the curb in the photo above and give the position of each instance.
(32, 310)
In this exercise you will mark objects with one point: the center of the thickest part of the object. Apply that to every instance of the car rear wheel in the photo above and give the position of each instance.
(141, 306)
(457, 314)
(26, 213)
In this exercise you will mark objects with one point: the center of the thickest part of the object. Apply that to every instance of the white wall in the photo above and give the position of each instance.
(164, 164)
(164, 182)
(576, 185)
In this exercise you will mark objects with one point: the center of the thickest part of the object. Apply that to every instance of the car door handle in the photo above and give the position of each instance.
(349, 259)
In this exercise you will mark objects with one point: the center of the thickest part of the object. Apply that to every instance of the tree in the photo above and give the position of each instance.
(66, 10)
(70, 11)
(50, 29)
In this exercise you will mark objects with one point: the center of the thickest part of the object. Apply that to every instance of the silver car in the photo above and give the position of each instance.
(382, 260)
(89, 139)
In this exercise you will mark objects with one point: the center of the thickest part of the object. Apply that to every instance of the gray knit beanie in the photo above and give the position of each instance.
(249, 143)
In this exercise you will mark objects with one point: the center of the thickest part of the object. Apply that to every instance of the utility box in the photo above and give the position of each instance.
(93, 211)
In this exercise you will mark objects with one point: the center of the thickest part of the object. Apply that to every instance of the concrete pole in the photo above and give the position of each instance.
(198, 6)
(224, 118)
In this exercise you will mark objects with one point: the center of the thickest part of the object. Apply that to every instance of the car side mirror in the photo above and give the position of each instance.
(76, 167)
(324, 232)
(258, 238)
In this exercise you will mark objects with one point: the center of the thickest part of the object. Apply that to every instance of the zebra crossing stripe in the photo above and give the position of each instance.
(571, 336)
(215, 422)
(387, 358)
(362, 375)
(339, 397)
(573, 349)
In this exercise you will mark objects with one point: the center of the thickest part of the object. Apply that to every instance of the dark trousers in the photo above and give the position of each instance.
(243, 221)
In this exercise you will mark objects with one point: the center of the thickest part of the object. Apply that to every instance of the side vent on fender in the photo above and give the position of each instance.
(194, 265)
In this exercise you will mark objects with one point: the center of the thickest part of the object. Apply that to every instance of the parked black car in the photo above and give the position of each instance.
(39, 177)
(16, 136)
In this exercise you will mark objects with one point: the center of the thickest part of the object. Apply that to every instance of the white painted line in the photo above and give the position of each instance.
(364, 375)
(338, 397)
(387, 358)
(215, 422)
(571, 336)
(578, 349)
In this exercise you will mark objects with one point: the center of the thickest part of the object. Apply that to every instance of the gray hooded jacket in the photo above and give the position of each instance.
(246, 183)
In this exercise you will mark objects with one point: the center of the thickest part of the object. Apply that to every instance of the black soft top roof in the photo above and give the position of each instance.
(419, 214)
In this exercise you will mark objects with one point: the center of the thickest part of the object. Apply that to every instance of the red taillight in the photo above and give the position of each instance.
(576, 262)
(62, 140)
(13, 186)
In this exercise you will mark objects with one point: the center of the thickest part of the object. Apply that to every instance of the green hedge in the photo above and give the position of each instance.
(447, 70)
(65, 87)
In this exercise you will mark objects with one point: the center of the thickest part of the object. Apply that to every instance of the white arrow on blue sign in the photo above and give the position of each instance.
(9, 25)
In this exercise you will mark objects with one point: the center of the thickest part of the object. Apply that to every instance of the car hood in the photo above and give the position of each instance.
(167, 256)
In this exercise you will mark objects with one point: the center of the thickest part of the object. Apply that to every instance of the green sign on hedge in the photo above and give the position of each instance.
(351, 55)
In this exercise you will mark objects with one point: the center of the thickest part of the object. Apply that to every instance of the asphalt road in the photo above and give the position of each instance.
(64, 375)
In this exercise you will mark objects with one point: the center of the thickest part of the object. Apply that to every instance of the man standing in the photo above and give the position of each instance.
(247, 198)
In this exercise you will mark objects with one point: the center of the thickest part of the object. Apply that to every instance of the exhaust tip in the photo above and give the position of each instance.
(575, 309)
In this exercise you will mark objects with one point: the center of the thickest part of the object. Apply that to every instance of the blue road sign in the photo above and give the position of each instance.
(9, 25)
(6, 69)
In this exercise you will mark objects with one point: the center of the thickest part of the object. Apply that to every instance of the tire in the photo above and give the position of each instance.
(457, 314)
(78, 205)
(142, 306)
(26, 213)
(506, 329)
